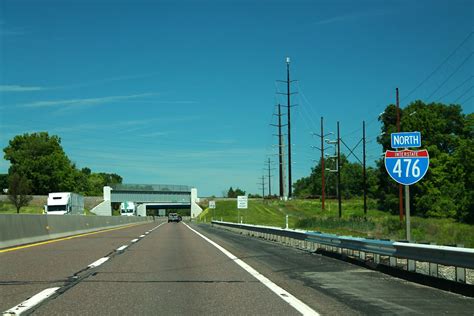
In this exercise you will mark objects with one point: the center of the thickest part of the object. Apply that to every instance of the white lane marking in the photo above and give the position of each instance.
(283, 294)
(146, 233)
(141, 236)
(134, 240)
(31, 302)
(98, 262)
(122, 248)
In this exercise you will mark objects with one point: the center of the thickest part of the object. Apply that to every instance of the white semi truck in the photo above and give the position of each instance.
(62, 203)
(128, 209)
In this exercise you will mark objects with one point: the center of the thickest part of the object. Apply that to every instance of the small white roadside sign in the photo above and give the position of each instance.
(212, 204)
(242, 202)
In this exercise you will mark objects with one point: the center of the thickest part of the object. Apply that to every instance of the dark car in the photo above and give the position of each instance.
(173, 217)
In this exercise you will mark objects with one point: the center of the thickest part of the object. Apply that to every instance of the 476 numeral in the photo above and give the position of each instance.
(410, 166)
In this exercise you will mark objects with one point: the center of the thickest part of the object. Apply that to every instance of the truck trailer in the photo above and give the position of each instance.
(128, 209)
(64, 203)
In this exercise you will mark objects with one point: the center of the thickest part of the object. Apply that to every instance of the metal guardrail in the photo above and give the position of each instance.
(460, 258)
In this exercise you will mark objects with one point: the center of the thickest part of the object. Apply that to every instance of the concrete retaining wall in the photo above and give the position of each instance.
(18, 229)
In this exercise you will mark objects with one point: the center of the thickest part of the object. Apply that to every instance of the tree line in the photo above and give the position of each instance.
(446, 191)
(39, 163)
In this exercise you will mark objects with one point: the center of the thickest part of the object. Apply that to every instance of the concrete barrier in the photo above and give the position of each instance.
(18, 229)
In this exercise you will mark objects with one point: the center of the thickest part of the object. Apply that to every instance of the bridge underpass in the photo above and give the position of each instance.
(150, 197)
(153, 209)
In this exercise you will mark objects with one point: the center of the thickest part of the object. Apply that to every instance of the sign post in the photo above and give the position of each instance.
(406, 166)
(242, 203)
(212, 205)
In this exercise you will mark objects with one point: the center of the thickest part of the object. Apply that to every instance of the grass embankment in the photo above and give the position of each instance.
(33, 208)
(307, 214)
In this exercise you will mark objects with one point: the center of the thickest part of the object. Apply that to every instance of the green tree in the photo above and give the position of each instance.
(18, 191)
(3, 182)
(447, 134)
(41, 159)
(351, 180)
(231, 193)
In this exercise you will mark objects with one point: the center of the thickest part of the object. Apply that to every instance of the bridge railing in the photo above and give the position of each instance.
(393, 252)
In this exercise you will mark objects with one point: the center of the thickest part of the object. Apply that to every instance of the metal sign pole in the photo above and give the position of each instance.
(407, 211)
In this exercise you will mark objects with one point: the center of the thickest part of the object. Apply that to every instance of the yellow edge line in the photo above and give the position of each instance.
(67, 238)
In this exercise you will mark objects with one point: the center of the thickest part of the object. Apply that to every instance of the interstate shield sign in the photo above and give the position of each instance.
(407, 166)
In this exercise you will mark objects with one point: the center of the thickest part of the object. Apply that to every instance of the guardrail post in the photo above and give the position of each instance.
(433, 269)
(460, 275)
(411, 265)
(393, 261)
(376, 258)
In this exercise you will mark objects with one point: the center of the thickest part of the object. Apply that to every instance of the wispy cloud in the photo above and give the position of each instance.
(85, 101)
(18, 88)
(106, 80)
(4, 31)
(351, 17)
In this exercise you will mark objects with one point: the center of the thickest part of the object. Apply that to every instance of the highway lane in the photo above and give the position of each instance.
(25, 272)
(337, 287)
(172, 270)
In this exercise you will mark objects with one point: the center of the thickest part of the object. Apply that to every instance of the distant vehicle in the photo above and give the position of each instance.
(173, 217)
(64, 203)
(128, 209)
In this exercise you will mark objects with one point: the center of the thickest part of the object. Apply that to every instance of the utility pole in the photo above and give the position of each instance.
(400, 191)
(323, 178)
(288, 111)
(289, 125)
(364, 169)
(339, 170)
(262, 184)
(269, 162)
(322, 166)
(280, 152)
(336, 155)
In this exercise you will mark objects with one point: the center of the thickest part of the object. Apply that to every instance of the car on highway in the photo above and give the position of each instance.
(173, 217)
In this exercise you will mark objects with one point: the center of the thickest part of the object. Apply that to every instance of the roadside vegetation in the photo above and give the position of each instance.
(307, 215)
(34, 207)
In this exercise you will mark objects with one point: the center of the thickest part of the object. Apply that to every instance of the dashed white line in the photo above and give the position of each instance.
(134, 240)
(122, 248)
(98, 262)
(31, 302)
(282, 293)
(141, 236)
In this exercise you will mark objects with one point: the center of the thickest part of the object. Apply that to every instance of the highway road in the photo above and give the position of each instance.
(182, 268)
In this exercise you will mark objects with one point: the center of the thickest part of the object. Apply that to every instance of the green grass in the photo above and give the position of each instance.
(307, 215)
(8, 208)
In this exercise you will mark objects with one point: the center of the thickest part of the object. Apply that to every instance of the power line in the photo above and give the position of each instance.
(439, 67)
(465, 101)
(450, 76)
(463, 94)
(459, 86)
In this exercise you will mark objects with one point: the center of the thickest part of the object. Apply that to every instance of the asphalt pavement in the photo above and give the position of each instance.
(169, 269)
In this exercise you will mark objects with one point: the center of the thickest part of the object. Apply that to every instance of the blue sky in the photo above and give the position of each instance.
(183, 92)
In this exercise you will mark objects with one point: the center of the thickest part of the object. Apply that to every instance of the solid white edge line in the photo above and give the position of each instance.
(283, 294)
(31, 302)
(121, 248)
(98, 262)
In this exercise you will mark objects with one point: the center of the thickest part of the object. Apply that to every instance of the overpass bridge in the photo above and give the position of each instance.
(150, 197)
